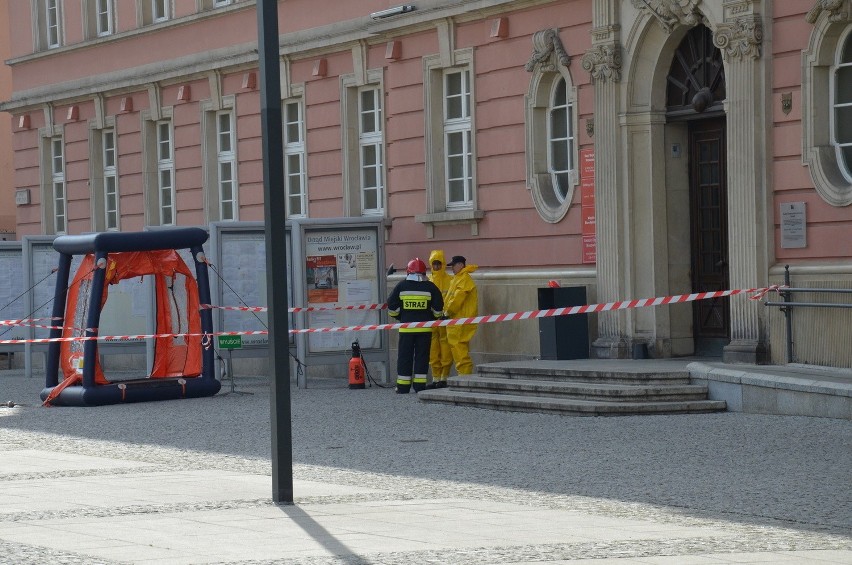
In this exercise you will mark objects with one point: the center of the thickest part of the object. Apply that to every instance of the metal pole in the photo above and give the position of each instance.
(788, 315)
(276, 252)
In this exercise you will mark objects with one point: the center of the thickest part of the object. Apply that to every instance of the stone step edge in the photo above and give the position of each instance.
(448, 396)
(650, 377)
(558, 389)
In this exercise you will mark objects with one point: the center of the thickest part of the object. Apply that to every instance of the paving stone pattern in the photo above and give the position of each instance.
(771, 483)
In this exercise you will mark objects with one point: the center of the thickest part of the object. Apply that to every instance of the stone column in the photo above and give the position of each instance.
(603, 61)
(740, 39)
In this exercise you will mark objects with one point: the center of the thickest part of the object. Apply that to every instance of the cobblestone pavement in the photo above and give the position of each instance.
(727, 488)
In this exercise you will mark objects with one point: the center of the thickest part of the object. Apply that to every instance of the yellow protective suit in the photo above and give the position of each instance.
(440, 356)
(462, 302)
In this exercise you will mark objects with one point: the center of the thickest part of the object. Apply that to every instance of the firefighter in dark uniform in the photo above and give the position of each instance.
(415, 299)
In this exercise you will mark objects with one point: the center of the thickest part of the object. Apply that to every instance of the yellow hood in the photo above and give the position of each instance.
(437, 255)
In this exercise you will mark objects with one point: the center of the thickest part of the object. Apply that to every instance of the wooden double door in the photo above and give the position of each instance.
(709, 234)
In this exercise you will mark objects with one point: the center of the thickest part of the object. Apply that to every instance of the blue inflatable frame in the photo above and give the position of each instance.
(89, 393)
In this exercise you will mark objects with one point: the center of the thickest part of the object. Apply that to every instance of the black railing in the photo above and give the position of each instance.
(788, 304)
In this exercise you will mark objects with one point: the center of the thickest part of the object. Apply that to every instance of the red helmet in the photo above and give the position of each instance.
(416, 266)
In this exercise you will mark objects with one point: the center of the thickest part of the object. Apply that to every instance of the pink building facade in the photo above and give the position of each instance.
(7, 190)
(635, 148)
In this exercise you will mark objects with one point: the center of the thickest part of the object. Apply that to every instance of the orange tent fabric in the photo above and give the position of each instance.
(174, 356)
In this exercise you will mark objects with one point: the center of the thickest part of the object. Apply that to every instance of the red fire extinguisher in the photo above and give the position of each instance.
(356, 367)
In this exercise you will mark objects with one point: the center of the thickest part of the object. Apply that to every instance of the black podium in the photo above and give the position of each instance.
(563, 337)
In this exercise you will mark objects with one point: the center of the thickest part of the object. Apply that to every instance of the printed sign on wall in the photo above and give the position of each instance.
(587, 204)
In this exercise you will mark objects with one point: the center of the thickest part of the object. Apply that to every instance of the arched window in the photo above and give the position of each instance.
(560, 140)
(551, 142)
(841, 120)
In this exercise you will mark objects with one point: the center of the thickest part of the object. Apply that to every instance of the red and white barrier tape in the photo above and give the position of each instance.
(26, 321)
(757, 294)
(296, 309)
(564, 311)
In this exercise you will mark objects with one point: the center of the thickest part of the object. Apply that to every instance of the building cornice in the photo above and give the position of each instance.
(294, 46)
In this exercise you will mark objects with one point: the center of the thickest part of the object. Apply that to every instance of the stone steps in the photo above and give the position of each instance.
(548, 388)
(583, 390)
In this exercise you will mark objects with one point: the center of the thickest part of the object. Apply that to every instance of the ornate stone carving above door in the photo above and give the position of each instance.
(672, 13)
(830, 6)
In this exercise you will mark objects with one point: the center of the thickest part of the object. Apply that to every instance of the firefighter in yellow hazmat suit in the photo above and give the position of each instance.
(440, 356)
(461, 302)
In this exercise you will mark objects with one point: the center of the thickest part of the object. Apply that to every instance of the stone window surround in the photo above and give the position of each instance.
(297, 96)
(97, 172)
(209, 151)
(433, 83)
(539, 181)
(46, 138)
(818, 152)
(350, 88)
(150, 119)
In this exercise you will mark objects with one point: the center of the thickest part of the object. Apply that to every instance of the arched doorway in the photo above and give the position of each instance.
(695, 93)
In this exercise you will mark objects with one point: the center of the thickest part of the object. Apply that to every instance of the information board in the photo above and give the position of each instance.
(243, 270)
(239, 279)
(12, 296)
(341, 269)
(43, 260)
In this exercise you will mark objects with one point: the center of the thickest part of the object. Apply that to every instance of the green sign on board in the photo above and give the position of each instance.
(230, 341)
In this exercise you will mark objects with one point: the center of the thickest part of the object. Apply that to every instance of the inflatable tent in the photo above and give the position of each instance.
(182, 367)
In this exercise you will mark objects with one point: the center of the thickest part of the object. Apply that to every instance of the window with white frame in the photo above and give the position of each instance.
(154, 11)
(361, 110)
(103, 17)
(160, 10)
(212, 4)
(295, 178)
(110, 176)
(841, 118)
(165, 172)
(57, 166)
(451, 195)
(827, 107)
(560, 140)
(552, 152)
(53, 23)
(457, 138)
(371, 149)
(226, 159)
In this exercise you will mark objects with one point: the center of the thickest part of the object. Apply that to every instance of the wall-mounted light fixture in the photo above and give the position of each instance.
(390, 12)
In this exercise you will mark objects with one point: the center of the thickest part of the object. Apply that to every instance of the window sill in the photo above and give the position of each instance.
(452, 217)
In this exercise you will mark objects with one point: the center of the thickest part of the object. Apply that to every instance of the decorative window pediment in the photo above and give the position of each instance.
(548, 52)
